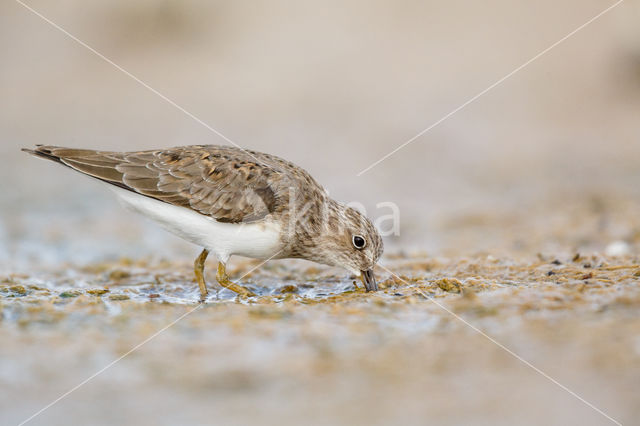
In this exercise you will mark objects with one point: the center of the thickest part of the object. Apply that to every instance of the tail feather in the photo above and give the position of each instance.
(93, 163)
(42, 152)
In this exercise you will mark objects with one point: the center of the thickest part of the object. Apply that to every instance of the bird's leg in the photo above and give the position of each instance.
(198, 268)
(225, 282)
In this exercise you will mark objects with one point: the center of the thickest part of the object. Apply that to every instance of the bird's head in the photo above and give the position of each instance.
(350, 241)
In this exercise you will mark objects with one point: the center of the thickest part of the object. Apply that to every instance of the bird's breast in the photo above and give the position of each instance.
(260, 240)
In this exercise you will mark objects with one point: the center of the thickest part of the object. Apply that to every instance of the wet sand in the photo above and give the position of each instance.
(312, 347)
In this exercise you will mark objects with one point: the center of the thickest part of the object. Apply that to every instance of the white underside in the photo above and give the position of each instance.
(256, 240)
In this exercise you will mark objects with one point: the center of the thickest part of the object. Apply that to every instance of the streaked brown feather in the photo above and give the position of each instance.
(100, 172)
(226, 183)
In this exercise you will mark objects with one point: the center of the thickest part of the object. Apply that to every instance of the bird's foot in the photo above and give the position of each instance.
(225, 282)
(242, 292)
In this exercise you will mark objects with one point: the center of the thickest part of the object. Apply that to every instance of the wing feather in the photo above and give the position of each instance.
(101, 172)
(226, 183)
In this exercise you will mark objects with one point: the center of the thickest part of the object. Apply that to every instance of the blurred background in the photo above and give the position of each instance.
(546, 162)
(333, 88)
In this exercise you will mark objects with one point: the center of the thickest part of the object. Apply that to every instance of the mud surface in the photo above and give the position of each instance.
(427, 346)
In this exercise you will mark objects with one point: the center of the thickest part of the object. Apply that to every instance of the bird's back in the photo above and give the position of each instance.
(229, 184)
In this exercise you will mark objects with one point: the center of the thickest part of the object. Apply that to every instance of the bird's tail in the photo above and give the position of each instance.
(97, 164)
(43, 151)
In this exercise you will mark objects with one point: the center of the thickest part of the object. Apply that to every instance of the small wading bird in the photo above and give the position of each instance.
(234, 201)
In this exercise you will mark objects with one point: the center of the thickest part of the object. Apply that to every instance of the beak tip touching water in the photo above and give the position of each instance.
(369, 280)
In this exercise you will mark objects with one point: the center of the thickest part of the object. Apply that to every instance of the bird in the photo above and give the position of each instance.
(232, 201)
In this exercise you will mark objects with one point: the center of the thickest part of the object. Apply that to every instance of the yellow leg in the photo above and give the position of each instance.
(225, 282)
(198, 268)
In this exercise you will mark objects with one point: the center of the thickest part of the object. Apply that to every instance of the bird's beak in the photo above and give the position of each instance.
(369, 280)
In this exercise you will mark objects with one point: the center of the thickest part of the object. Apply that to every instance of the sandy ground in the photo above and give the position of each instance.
(425, 349)
(519, 215)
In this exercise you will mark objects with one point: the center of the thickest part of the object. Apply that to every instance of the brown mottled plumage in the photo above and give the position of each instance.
(238, 187)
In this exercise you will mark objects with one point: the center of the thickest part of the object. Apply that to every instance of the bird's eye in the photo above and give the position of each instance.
(359, 242)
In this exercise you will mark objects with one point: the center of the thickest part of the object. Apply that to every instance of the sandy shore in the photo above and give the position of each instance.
(426, 348)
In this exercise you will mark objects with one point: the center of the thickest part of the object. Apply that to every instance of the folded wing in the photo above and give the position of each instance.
(225, 183)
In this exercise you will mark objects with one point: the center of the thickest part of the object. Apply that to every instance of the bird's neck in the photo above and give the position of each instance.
(313, 231)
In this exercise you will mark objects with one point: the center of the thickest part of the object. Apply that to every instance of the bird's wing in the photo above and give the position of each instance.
(225, 183)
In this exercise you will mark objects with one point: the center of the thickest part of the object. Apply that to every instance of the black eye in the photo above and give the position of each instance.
(359, 242)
